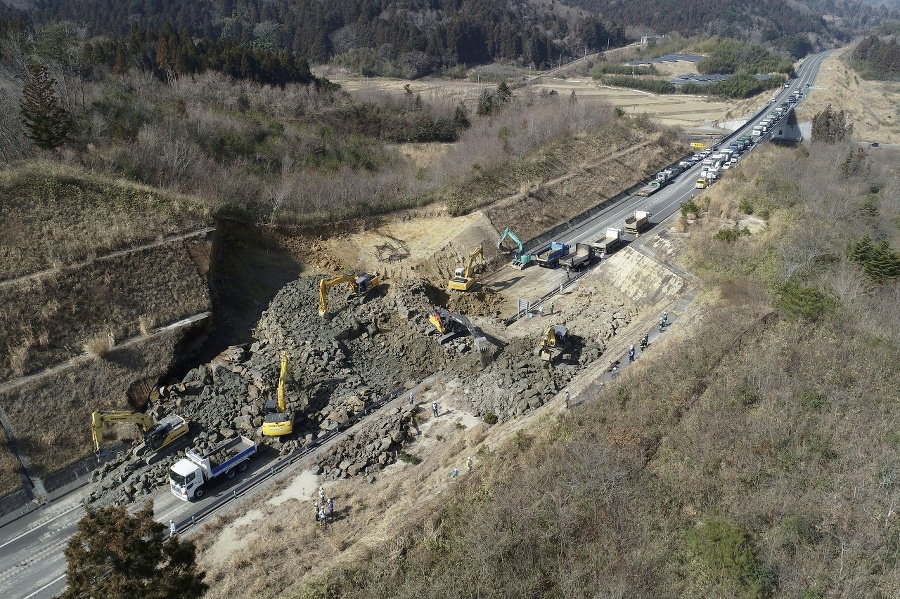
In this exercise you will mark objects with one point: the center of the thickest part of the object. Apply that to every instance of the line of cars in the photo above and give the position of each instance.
(716, 160)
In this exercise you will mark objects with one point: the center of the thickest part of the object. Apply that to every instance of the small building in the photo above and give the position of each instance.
(787, 131)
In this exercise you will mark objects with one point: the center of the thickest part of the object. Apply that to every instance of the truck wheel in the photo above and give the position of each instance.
(242, 466)
(230, 474)
(198, 492)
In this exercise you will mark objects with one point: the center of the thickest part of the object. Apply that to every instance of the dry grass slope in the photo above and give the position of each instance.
(50, 320)
(52, 215)
(51, 415)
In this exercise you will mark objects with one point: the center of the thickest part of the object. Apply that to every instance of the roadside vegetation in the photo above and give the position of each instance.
(877, 58)
(750, 454)
(50, 320)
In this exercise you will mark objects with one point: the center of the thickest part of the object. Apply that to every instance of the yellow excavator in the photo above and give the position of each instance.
(359, 285)
(157, 435)
(279, 420)
(462, 278)
(451, 325)
(553, 341)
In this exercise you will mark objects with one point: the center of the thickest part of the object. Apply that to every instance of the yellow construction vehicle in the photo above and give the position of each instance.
(462, 279)
(451, 325)
(359, 285)
(279, 420)
(553, 341)
(157, 435)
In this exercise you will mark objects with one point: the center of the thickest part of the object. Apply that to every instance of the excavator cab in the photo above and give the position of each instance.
(553, 341)
(451, 325)
(462, 278)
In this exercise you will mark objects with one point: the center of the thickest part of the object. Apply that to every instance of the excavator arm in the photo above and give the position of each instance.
(470, 263)
(279, 420)
(508, 233)
(357, 285)
(326, 284)
(101, 417)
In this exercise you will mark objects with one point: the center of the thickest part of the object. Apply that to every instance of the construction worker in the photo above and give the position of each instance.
(631, 354)
(469, 463)
(645, 341)
(434, 409)
(455, 472)
(172, 529)
(567, 399)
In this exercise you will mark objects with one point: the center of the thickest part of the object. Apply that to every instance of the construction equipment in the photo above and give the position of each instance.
(190, 476)
(553, 341)
(580, 258)
(451, 325)
(462, 279)
(359, 286)
(549, 258)
(279, 420)
(521, 258)
(157, 435)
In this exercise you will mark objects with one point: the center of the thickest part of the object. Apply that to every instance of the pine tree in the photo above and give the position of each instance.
(114, 554)
(43, 114)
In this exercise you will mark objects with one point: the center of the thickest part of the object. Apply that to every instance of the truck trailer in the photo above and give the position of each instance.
(637, 222)
(549, 258)
(190, 476)
(580, 258)
(609, 243)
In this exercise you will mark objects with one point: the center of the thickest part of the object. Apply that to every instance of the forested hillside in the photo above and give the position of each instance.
(419, 36)
(781, 23)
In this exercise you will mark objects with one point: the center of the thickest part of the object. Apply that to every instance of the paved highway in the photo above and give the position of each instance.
(32, 565)
(668, 200)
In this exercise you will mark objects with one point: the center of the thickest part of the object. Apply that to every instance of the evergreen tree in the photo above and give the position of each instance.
(43, 114)
(831, 126)
(114, 555)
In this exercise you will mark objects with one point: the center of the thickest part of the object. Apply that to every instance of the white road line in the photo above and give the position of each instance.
(46, 586)
(39, 526)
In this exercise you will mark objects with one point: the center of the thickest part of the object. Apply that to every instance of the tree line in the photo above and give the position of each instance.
(880, 58)
(443, 32)
(168, 53)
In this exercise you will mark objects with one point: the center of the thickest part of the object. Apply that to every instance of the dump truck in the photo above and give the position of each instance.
(580, 258)
(608, 243)
(549, 258)
(637, 222)
(190, 476)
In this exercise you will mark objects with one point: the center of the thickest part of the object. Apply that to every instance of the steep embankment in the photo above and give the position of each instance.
(94, 271)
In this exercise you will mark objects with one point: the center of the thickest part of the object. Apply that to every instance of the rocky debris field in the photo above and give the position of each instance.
(341, 363)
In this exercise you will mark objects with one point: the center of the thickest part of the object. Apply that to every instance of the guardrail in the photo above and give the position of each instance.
(283, 463)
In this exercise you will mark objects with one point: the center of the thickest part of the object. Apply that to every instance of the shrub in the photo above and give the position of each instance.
(731, 234)
(799, 301)
(409, 458)
(690, 209)
(99, 345)
(490, 418)
(725, 553)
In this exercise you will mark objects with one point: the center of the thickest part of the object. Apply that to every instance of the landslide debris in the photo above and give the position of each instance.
(343, 362)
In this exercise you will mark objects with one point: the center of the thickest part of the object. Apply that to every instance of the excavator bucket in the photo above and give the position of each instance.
(481, 343)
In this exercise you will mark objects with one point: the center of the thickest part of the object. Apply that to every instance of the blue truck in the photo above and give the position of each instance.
(549, 258)
(190, 476)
